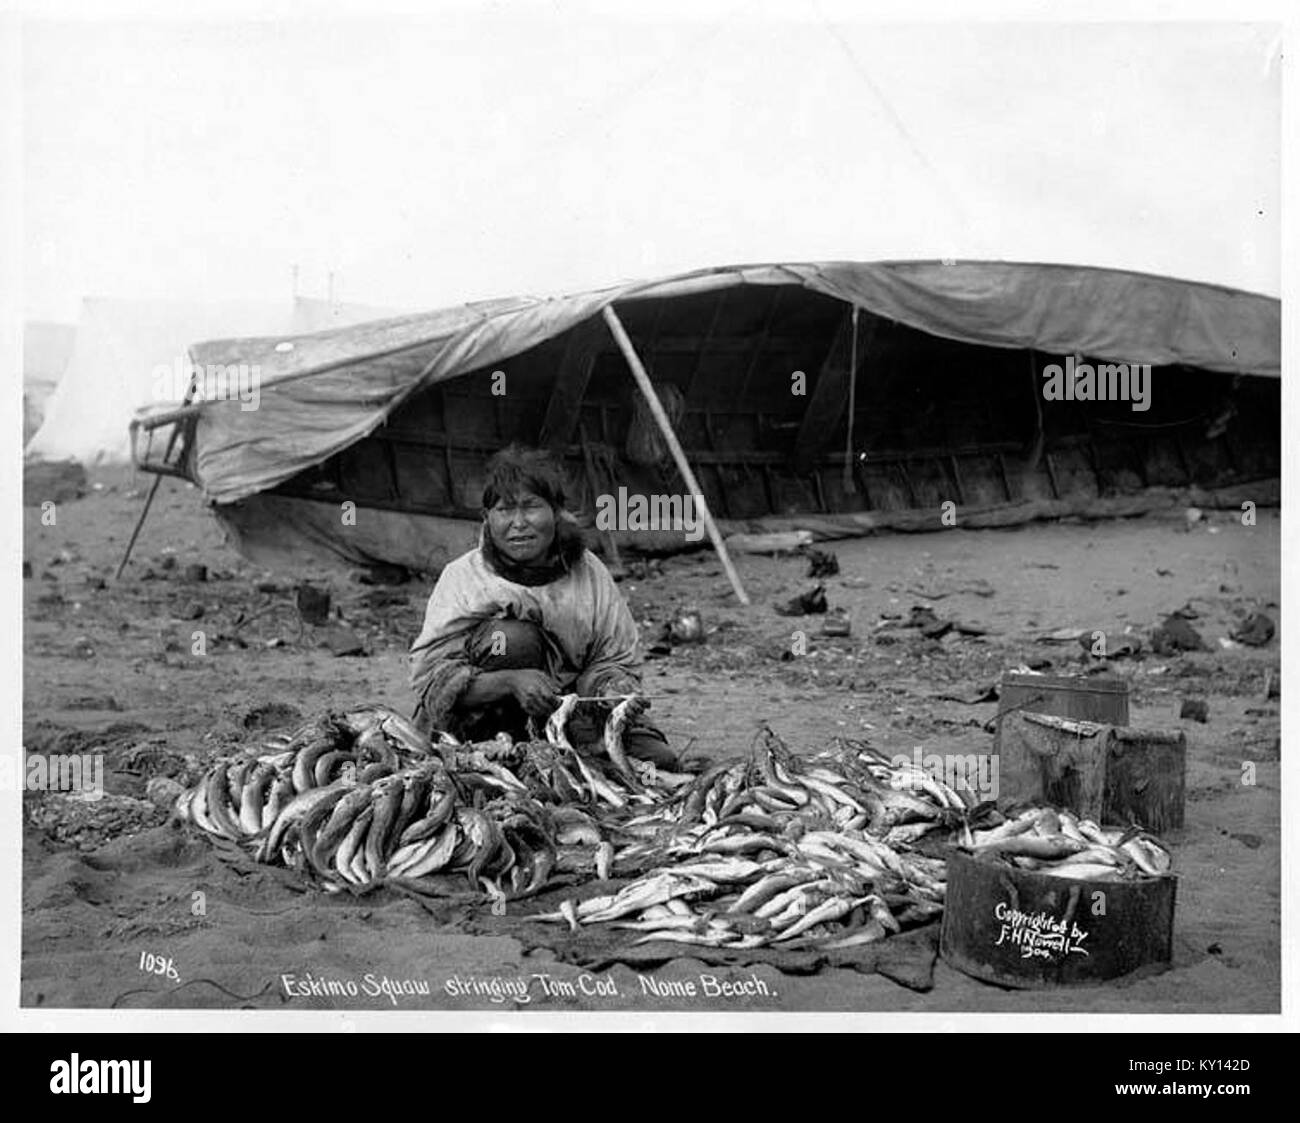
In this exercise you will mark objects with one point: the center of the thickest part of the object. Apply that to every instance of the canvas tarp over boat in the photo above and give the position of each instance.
(333, 388)
(397, 416)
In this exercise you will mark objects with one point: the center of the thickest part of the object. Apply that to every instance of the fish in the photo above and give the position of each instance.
(651, 891)
(438, 814)
(614, 740)
(880, 913)
(218, 803)
(294, 812)
(770, 800)
(351, 843)
(1093, 854)
(435, 855)
(745, 843)
(711, 939)
(1090, 871)
(908, 832)
(661, 924)
(372, 748)
(356, 722)
(404, 734)
(579, 834)
(386, 799)
(415, 793)
(325, 766)
(570, 913)
(559, 719)
(737, 869)
(487, 840)
(280, 795)
(768, 887)
(598, 786)
(304, 764)
(309, 833)
(1151, 859)
(1033, 847)
(693, 807)
(831, 792)
(183, 804)
(832, 909)
(604, 860)
(199, 810)
(235, 777)
(253, 798)
(342, 816)
(754, 820)
(779, 903)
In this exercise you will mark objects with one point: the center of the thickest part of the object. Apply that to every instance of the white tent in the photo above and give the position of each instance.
(47, 347)
(130, 354)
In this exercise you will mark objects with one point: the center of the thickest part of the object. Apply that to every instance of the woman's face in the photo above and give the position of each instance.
(522, 527)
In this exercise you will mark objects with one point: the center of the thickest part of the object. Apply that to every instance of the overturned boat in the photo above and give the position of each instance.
(834, 398)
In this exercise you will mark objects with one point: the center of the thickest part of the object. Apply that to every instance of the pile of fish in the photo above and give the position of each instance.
(363, 799)
(773, 849)
(782, 850)
(1063, 845)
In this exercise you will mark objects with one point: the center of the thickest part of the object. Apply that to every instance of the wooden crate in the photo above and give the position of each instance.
(1101, 772)
(1101, 698)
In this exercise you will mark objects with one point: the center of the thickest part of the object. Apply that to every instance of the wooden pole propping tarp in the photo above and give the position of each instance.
(674, 446)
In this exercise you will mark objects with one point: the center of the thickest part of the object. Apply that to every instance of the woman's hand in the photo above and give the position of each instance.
(636, 707)
(535, 691)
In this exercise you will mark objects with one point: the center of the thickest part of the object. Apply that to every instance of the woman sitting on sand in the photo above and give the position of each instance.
(526, 616)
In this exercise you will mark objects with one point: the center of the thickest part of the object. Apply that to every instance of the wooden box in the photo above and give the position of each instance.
(1108, 774)
(1101, 698)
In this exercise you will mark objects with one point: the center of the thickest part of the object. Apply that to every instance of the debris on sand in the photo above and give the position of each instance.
(1128, 647)
(341, 641)
(978, 587)
(837, 623)
(1255, 631)
(272, 715)
(88, 824)
(1175, 634)
(822, 563)
(313, 604)
(777, 542)
(162, 791)
(686, 627)
(811, 603)
(1195, 709)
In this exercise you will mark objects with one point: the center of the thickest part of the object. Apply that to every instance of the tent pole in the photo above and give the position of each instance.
(670, 438)
(846, 480)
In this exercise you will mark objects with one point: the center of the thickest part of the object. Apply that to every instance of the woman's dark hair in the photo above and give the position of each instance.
(516, 468)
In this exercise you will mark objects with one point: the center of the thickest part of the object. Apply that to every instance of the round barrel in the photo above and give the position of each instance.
(1026, 928)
